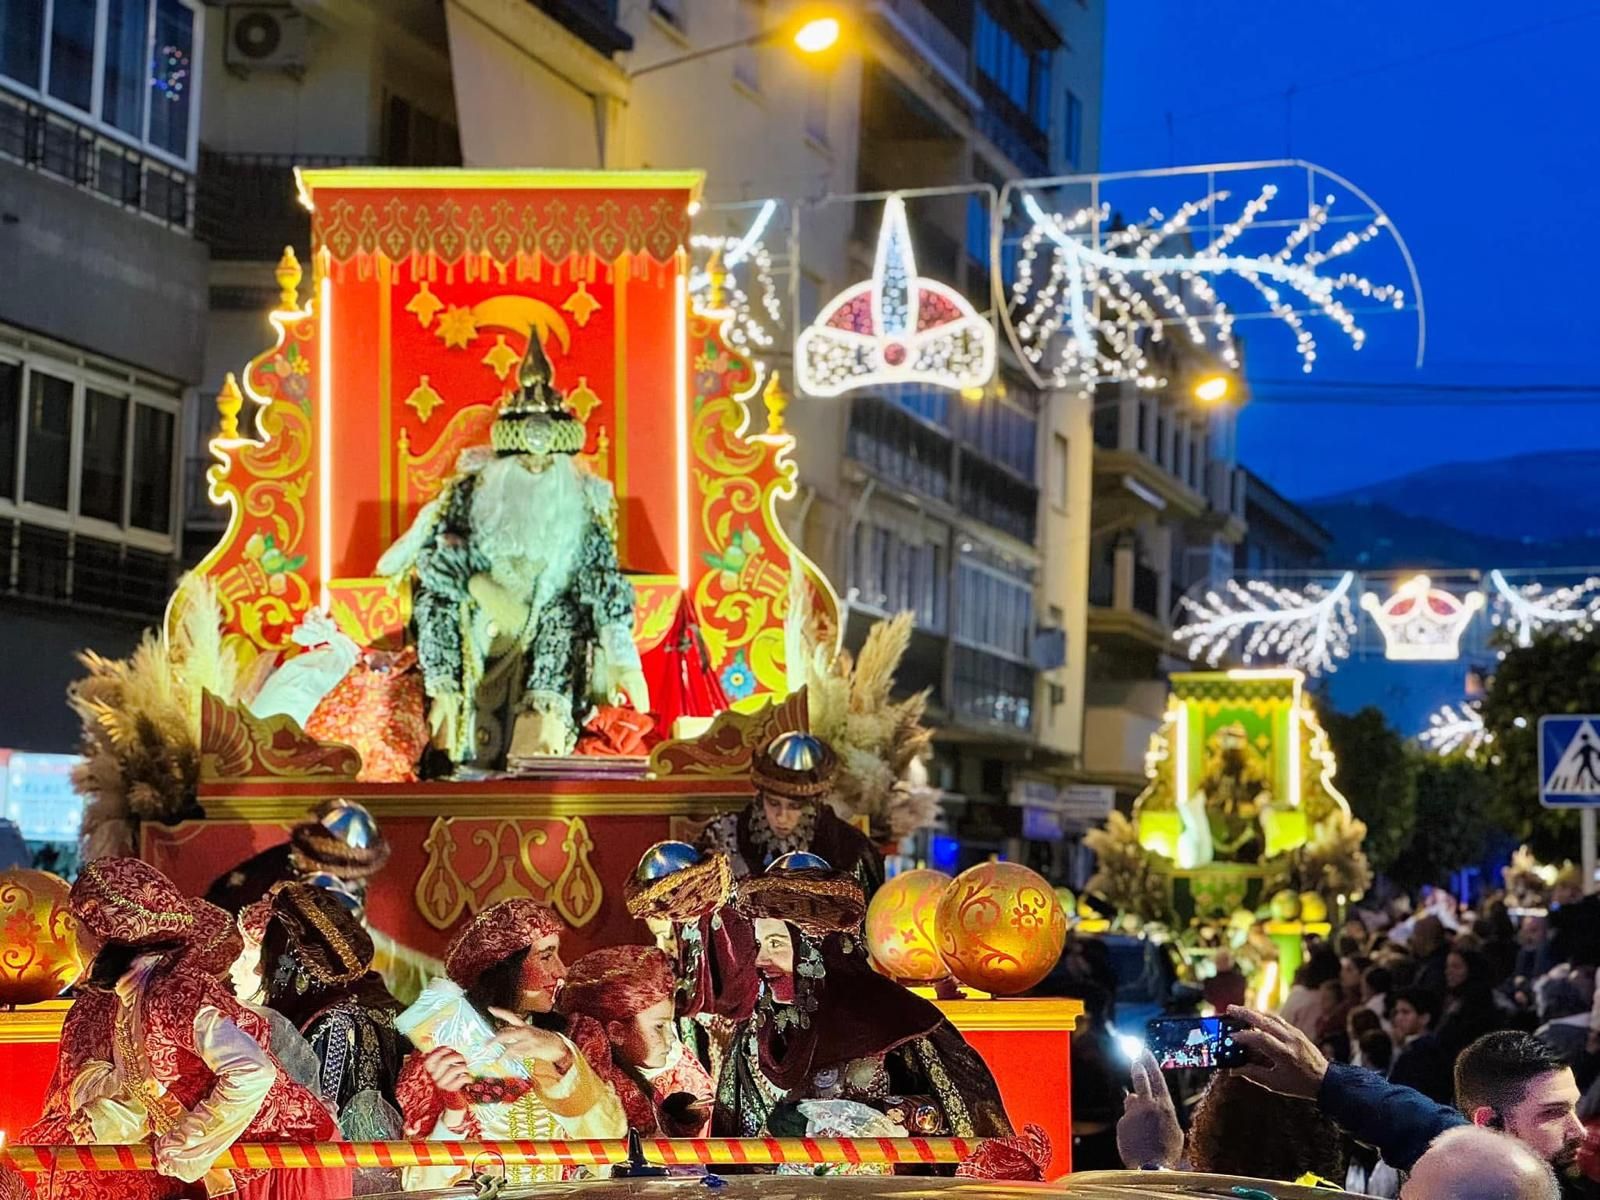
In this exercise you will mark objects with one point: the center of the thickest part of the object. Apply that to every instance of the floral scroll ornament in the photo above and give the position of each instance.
(507, 859)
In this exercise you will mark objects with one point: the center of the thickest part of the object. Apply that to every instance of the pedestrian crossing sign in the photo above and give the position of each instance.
(1569, 761)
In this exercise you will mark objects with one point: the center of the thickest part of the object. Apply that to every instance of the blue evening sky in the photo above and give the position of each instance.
(1475, 125)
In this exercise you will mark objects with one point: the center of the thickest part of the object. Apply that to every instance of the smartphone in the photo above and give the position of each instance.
(1194, 1043)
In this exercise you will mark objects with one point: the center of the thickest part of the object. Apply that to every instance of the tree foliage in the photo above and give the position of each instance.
(1374, 774)
(1453, 800)
(1558, 673)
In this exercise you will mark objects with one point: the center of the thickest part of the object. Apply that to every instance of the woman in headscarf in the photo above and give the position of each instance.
(826, 1026)
(507, 961)
(317, 960)
(157, 1049)
(790, 812)
(628, 991)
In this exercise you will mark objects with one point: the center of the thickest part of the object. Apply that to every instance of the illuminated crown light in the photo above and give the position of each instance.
(1422, 623)
(898, 327)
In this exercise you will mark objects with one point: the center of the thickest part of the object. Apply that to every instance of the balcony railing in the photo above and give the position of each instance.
(914, 18)
(989, 690)
(46, 141)
(52, 566)
(899, 449)
(247, 207)
(1008, 127)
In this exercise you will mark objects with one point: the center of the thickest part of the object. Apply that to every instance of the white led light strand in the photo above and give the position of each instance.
(1450, 730)
(1530, 608)
(1112, 292)
(752, 328)
(1308, 628)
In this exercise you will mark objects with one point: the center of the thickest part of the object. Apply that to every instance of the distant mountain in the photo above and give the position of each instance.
(1550, 498)
(1377, 537)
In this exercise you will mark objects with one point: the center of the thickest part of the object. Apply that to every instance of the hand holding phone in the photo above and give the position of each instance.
(1194, 1043)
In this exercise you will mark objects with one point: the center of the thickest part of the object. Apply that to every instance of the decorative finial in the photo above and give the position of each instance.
(289, 275)
(229, 401)
(715, 299)
(774, 397)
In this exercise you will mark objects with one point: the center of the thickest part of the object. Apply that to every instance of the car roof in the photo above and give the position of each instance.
(1096, 1185)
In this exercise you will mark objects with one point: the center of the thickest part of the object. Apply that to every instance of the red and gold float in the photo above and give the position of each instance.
(390, 360)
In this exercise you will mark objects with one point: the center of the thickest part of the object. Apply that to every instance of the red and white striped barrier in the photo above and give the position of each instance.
(658, 1151)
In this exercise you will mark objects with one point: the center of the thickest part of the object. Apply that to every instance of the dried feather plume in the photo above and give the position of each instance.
(881, 742)
(141, 721)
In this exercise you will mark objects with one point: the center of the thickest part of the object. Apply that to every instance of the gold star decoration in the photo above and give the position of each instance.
(457, 327)
(583, 399)
(424, 399)
(424, 305)
(502, 359)
(581, 304)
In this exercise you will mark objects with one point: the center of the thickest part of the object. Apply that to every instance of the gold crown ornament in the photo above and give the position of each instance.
(535, 419)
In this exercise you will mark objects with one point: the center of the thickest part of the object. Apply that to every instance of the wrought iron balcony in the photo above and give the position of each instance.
(53, 566)
(75, 152)
(247, 207)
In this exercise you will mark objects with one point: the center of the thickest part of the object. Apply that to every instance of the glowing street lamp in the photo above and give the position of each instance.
(814, 33)
(1213, 388)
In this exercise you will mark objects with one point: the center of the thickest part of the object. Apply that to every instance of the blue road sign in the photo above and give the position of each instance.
(1569, 761)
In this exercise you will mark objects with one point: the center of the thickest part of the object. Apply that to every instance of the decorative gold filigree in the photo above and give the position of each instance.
(727, 749)
(238, 746)
(513, 858)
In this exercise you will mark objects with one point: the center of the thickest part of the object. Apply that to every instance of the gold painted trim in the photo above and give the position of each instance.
(619, 391)
(385, 401)
(1037, 1015)
(294, 807)
(36, 1023)
(308, 180)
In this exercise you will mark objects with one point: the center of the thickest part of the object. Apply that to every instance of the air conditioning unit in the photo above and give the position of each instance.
(265, 37)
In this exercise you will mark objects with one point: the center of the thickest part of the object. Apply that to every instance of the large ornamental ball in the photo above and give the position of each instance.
(901, 932)
(1285, 905)
(1313, 907)
(1000, 927)
(39, 953)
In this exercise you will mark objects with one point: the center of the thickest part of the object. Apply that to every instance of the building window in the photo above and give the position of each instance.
(414, 138)
(892, 573)
(1072, 130)
(751, 19)
(994, 610)
(147, 59)
(672, 12)
(86, 451)
(978, 230)
(1023, 78)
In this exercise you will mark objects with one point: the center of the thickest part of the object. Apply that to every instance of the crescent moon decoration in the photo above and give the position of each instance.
(523, 314)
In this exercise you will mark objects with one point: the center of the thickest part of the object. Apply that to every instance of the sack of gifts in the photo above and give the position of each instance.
(443, 1016)
(377, 708)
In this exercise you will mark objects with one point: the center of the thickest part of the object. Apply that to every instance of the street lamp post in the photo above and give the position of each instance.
(811, 35)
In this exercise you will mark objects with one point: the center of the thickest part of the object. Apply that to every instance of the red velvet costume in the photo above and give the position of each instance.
(167, 1051)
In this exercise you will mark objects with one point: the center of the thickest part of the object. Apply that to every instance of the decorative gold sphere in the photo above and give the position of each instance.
(1285, 905)
(1001, 927)
(39, 954)
(900, 928)
(1313, 907)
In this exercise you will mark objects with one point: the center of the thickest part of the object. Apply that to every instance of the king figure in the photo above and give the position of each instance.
(523, 617)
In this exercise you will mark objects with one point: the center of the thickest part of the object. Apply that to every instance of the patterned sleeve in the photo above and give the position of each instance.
(421, 1104)
(600, 581)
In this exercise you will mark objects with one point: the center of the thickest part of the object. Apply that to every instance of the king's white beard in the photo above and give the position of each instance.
(530, 525)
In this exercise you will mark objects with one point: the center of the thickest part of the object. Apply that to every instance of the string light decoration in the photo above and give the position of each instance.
(1527, 609)
(732, 269)
(1420, 622)
(1451, 730)
(170, 76)
(1104, 295)
(897, 327)
(1308, 628)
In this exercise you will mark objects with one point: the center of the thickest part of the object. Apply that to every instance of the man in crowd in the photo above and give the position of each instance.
(1504, 1081)
(1468, 1163)
(1421, 1063)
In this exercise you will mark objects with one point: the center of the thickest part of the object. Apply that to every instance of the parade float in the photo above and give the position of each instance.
(1240, 837)
(519, 709)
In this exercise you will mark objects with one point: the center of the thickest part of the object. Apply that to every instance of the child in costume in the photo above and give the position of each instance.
(549, 1080)
(629, 992)
(790, 812)
(157, 1049)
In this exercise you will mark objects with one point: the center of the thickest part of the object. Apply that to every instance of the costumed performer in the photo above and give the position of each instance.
(507, 961)
(681, 895)
(340, 848)
(155, 1048)
(792, 778)
(317, 963)
(826, 1026)
(523, 617)
(629, 991)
